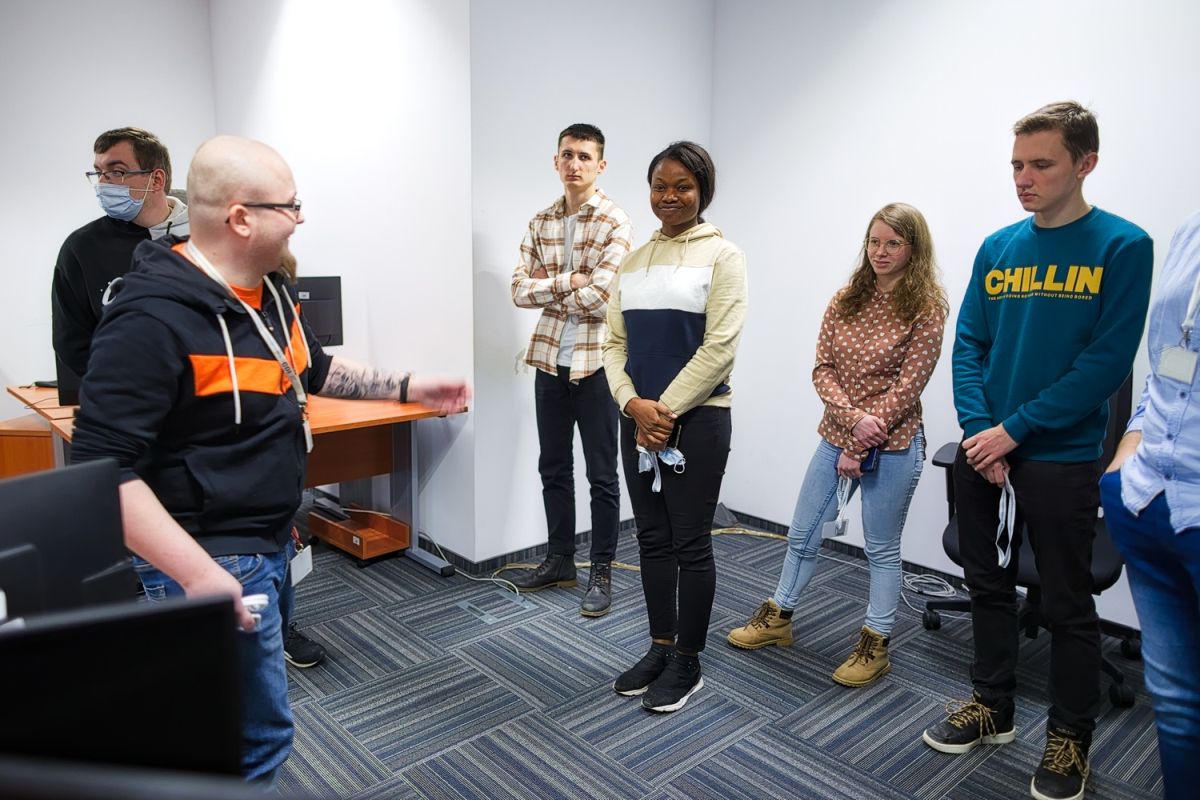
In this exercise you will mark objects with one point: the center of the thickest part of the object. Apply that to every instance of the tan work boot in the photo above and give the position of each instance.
(765, 628)
(867, 663)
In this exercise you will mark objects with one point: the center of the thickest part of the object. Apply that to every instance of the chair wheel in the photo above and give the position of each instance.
(932, 620)
(1120, 695)
(1132, 648)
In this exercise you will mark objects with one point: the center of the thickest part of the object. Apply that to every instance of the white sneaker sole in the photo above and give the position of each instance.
(678, 704)
(959, 749)
(631, 692)
(1036, 794)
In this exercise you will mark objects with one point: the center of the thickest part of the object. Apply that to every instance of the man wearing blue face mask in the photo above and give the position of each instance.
(131, 175)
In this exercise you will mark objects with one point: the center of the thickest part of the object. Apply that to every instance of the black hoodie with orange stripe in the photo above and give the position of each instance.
(159, 397)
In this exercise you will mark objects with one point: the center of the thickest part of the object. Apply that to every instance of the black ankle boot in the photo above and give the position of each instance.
(599, 592)
(556, 570)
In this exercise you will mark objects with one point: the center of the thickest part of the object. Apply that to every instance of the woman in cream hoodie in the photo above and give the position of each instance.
(674, 320)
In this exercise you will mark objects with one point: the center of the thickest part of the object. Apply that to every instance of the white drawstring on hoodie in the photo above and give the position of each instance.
(288, 370)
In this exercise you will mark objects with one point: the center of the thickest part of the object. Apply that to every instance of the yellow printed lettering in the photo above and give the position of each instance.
(993, 282)
(1049, 284)
(1089, 280)
(1012, 279)
(1072, 274)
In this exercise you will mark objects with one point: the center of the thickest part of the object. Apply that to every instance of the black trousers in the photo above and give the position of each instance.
(674, 526)
(561, 405)
(1057, 503)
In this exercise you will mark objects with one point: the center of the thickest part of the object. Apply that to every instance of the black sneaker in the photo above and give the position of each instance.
(556, 570)
(1063, 773)
(301, 651)
(679, 681)
(634, 680)
(969, 723)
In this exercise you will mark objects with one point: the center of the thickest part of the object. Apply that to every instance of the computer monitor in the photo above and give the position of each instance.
(145, 684)
(321, 303)
(61, 540)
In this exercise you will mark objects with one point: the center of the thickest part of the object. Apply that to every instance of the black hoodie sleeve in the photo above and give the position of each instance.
(133, 384)
(71, 314)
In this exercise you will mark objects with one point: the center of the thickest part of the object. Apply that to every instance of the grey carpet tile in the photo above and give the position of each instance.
(767, 766)
(394, 578)
(395, 788)
(297, 694)
(1010, 768)
(476, 611)
(773, 681)
(760, 554)
(323, 595)
(359, 647)
(410, 715)
(625, 625)
(656, 746)
(1125, 746)
(546, 663)
(878, 730)
(326, 760)
(530, 757)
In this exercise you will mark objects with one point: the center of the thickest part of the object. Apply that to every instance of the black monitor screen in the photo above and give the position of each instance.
(321, 302)
(144, 684)
(61, 542)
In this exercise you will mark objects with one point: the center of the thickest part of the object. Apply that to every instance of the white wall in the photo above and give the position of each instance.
(824, 112)
(70, 73)
(642, 72)
(370, 104)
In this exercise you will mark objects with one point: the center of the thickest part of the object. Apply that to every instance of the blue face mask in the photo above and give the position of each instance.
(117, 202)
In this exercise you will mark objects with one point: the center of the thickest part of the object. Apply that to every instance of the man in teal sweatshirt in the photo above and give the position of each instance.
(1047, 331)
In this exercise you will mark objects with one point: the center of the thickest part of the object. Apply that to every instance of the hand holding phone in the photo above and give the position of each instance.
(871, 461)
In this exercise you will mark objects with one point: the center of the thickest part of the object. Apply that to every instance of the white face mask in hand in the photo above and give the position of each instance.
(670, 456)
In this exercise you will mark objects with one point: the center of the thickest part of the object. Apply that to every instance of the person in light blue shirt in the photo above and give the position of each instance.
(1151, 497)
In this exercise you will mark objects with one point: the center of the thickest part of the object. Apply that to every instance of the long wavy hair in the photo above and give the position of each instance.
(919, 291)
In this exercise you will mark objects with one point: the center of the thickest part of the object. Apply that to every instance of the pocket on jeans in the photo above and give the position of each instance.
(244, 568)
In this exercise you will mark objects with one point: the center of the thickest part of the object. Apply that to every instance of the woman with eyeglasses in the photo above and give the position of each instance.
(674, 319)
(879, 342)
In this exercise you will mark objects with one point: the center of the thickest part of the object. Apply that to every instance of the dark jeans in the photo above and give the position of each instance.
(560, 406)
(1057, 503)
(679, 574)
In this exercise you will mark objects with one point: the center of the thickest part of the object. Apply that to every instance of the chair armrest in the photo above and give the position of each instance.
(944, 457)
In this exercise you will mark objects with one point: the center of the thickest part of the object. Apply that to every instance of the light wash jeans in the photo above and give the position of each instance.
(887, 492)
(267, 727)
(1164, 578)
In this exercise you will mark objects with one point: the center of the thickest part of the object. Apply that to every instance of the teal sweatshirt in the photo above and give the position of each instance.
(1048, 330)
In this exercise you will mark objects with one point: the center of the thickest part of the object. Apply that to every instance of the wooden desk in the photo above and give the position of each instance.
(353, 441)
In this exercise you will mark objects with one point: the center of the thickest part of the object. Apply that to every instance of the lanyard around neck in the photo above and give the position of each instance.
(1189, 322)
(272, 345)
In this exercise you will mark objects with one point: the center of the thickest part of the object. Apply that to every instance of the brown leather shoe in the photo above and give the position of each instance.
(868, 663)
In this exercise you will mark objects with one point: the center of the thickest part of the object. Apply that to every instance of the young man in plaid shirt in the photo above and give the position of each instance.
(569, 256)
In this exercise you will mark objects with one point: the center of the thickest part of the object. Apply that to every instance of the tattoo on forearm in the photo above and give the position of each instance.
(361, 383)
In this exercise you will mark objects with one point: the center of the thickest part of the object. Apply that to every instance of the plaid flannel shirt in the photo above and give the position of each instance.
(603, 234)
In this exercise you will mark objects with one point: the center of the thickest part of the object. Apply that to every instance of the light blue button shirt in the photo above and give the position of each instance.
(1168, 459)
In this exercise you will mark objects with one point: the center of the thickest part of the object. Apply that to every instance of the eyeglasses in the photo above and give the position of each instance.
(114, 175)
(293, 206)
(891, 246)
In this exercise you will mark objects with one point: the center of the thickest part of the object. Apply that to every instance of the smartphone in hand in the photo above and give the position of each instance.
(871, 461)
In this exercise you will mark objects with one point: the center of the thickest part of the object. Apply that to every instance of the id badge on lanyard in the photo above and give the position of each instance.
(1179, 363)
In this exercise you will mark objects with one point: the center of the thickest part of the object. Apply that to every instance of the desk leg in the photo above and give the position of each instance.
(62, 450)
(406, 487)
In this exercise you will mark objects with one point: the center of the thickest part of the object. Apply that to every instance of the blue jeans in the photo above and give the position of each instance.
(887, 492)
(266, 715)
(1164, 577)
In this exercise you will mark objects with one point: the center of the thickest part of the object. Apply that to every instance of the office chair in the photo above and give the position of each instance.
(1106, 561)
